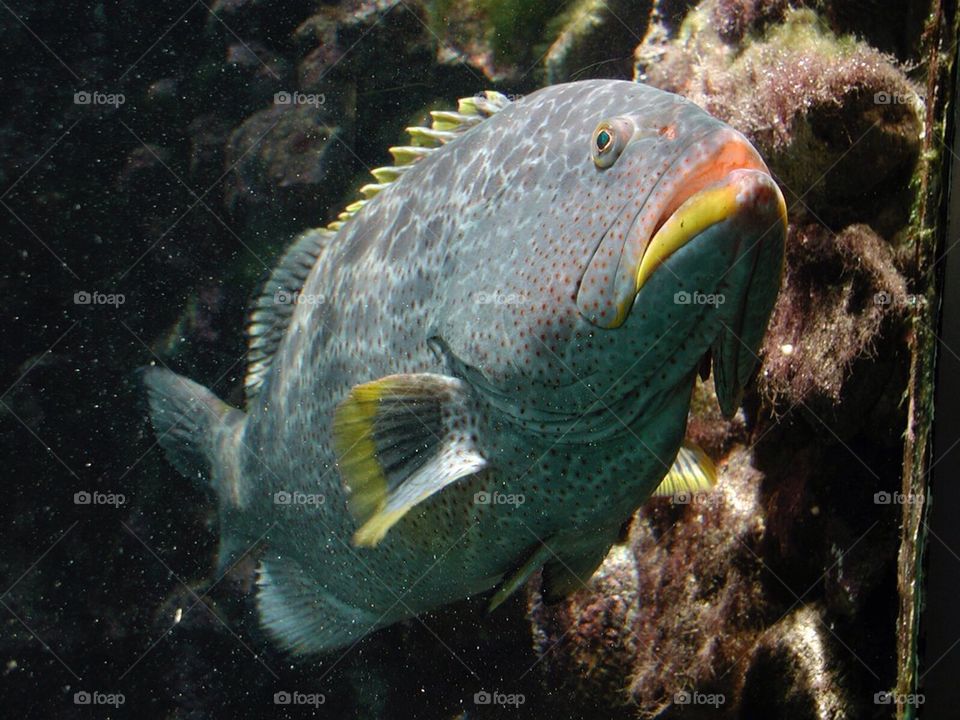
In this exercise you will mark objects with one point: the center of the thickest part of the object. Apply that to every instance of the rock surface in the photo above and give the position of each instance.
(776, 593)
(765, 598)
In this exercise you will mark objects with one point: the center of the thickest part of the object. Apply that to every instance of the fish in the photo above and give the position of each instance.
(484, 366)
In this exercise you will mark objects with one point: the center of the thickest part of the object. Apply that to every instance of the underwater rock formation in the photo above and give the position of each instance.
(591, 29)
(180, 198)
(796, 671)
(751, 601)
(679, 603)
(836, 120)
(838, 290)
(283, 148)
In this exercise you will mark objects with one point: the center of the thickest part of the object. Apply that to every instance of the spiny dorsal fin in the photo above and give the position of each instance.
(271, 312)
(444, 127)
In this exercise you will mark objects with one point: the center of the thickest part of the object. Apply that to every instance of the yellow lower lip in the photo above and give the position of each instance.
(696, 214)
(706, 208)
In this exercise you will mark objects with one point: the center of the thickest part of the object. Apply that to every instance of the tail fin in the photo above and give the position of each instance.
(188, 420)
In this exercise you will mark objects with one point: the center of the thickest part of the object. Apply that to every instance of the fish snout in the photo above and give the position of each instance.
(758, 199)
(732, 189)
(717, 189)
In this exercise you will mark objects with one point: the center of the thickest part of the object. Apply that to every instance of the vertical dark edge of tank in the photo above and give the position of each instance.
(939, 637)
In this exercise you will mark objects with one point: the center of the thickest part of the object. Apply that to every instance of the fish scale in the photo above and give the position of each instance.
(489, 363)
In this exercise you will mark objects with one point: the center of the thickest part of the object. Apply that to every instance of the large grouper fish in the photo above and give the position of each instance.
(484, 367)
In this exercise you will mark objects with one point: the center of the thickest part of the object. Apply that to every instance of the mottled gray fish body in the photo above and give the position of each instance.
(487, 368)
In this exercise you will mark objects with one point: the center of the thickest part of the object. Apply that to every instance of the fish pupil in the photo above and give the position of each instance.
(603, 140)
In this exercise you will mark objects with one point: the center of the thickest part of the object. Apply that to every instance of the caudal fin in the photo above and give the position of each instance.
(187, 419)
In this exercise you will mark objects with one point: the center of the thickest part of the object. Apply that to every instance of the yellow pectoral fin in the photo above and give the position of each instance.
(692, 472)
(375, 529)
(397, 443)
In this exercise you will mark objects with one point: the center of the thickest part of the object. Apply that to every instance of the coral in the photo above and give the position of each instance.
(735, 18)
(836, 120)
(675, 611)
(592, 626)
(796, 671)
(284, 157)
(590, 29)
(837, 291)
(770, 576)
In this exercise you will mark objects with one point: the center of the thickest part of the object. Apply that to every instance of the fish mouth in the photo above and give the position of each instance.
(734, 182)
(720, 179)
(733, 200)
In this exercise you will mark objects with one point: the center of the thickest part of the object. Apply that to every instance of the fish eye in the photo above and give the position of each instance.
(609, 139)
(603, 140)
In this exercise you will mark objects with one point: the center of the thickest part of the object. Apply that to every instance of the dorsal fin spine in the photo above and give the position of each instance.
(445, 127)
(269, 315)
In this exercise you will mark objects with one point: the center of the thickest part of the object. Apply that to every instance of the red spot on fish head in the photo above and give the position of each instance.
(669, 132)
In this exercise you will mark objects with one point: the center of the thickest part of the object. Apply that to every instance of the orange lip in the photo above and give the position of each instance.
(735, 155)
(718, 178)
(713, 192)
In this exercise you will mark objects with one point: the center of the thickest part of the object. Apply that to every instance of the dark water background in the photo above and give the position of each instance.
(138, 231)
